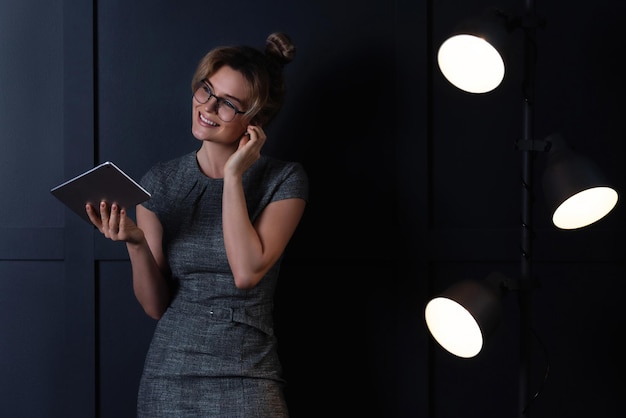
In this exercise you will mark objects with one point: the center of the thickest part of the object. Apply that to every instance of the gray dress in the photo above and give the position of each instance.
(213, 353)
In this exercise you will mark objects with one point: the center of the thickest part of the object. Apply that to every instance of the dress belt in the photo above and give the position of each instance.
(255, 316)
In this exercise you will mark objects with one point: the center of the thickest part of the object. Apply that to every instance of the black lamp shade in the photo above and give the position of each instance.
(464, 316)
(473, 57)
(576, 192)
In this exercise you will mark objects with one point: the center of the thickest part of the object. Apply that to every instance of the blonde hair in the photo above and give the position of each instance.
(262, 69)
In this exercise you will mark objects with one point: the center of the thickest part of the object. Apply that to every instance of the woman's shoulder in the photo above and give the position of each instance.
(288, 176)
(279, 165)
(175, 165)
(168, 171)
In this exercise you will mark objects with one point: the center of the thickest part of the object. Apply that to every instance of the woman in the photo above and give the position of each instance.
(206, 248)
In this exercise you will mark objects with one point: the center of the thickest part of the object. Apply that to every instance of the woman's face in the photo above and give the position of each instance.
(220, 118)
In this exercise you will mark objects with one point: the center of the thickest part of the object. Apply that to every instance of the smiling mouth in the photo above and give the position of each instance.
(208, 122)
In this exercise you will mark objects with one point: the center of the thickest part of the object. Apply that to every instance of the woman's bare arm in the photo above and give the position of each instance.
(143, 241)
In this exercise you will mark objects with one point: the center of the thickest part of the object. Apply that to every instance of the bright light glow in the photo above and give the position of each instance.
(471, 63)
(585, 208)
(454, 328)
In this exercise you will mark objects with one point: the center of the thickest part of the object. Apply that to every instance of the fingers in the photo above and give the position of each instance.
(93, 216)
(253, 142)
(248, 151)
(114, 223)
(243, 141)
(114, 217)
(108, 222)
(123, 218)
(257, 134)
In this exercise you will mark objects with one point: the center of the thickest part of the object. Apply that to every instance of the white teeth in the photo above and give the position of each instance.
(205, 120)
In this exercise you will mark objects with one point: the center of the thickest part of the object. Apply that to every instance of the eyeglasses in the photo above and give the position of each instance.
(225, 110)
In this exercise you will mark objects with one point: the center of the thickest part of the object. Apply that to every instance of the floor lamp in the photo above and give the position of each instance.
(473, 59)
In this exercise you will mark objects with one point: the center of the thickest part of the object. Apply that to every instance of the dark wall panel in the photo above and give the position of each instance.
(31, 112)
(124, 335)
(579, 316)
(33, 338)
(46, 352)
(336, 325)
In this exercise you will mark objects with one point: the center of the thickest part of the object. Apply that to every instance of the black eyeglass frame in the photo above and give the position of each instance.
(218, 103)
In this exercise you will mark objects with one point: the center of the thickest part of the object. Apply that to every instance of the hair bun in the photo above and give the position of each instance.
(280, 48)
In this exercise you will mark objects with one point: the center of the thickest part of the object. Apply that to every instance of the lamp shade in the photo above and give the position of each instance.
(464, 316)
(576, 191)
(473, 57)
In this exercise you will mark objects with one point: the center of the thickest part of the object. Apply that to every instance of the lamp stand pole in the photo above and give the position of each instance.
(528, 156)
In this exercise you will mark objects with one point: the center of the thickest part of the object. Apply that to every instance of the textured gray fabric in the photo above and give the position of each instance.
(213, 353)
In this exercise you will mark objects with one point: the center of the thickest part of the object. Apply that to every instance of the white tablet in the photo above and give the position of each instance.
(103, 182)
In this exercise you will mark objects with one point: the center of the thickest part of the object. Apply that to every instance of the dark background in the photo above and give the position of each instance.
(415, 185)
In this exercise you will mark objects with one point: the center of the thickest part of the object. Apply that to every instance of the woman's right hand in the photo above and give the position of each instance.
(114, 223)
